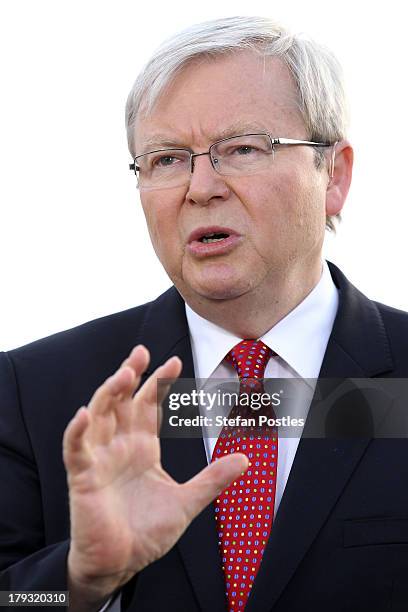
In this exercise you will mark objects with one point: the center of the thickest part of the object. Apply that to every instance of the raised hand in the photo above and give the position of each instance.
(126, 511)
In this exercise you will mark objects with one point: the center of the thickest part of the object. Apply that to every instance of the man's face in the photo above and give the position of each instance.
(276, 217)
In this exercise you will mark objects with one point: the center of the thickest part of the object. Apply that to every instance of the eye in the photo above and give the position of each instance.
(164, 160)
(170, 159)
(241, 150)
(244, 149)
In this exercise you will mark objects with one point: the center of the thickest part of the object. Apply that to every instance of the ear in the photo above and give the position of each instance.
(340, 172)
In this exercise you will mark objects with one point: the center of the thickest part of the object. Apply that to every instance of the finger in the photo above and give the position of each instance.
(124, 416)
(211, 481)
(120, 384)
(106, 403)
(150, 392)
(109, 406)
(138, 359)
(123, 382)
(147, 412)
(76, 454)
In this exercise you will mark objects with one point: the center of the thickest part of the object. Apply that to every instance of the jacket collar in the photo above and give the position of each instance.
(358, 344)
(358, 341)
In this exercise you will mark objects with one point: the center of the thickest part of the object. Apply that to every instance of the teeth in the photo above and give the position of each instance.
(209, 240)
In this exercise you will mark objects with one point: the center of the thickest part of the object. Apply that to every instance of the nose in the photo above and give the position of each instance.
(205, 183)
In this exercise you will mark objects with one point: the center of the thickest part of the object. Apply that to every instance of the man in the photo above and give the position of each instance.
(237, 131)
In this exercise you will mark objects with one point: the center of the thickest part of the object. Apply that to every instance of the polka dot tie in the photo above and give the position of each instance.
(244, 511)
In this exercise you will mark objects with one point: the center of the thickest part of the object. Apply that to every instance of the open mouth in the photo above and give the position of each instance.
(213, 237)
(212, 240)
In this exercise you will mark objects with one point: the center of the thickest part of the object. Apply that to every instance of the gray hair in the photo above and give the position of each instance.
(316, 72)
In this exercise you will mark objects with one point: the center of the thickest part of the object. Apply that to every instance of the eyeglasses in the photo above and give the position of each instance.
(235, 156)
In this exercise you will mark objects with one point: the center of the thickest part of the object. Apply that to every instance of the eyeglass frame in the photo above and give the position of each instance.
(274, 141)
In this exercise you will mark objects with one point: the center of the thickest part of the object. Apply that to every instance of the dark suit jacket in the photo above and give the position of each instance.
(340, 538)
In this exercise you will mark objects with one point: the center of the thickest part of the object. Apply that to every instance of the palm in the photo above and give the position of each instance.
(126, 511)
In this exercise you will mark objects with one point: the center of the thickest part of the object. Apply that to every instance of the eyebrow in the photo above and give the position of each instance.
(164, 141)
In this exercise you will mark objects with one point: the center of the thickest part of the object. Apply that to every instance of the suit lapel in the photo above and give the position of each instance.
(358, 348)
(166, 334)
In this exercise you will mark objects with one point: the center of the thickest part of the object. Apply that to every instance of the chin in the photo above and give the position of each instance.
(217, 281)
(217, 289)
(218, 293)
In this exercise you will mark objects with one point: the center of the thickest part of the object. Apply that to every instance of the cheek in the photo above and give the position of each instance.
(154, 230)
(298, 196)
(270, 203)
(161, 218)
(290, 206)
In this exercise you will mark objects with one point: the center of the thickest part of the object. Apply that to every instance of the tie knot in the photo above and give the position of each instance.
(249, 358)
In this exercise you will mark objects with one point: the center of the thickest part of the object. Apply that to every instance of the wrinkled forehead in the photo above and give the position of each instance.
(213, 98)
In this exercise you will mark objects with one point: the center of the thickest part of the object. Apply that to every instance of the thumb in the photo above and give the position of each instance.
(207, 484)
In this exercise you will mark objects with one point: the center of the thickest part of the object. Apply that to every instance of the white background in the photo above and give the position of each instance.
(73, 241)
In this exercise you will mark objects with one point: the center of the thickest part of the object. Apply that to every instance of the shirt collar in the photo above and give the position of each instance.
(300, 338)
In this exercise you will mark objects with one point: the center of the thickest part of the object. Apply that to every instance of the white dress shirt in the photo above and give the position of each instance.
(300, 341)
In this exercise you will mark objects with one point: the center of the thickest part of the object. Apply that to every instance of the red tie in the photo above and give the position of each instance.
(244, 511)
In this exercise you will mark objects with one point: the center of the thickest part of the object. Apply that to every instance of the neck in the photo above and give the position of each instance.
(254, 313)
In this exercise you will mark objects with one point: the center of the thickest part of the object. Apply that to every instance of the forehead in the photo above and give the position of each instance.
(212, 99)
